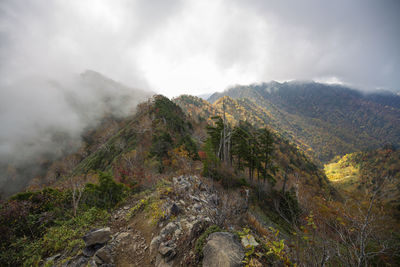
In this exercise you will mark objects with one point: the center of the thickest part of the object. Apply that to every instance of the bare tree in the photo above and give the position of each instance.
(362, 229)
(77, 191)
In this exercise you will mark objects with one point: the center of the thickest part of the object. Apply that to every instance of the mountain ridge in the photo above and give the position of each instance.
(352, 119)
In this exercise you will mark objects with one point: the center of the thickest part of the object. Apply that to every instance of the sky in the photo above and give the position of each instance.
(187, 46)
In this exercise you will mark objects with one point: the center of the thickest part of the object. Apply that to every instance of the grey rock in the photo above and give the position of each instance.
(197, 206)
(249, 241)
(197, 228)
(89, 251)
(104, 254)
(165, 264)
(99, 236)
(122, 235)
(167, 251)
(78, 261)
(53, 258)
(174, 209)
(178, 232)
(214, 199)
(154, 244)
(169, 228)
(194, 198)
(222, 250)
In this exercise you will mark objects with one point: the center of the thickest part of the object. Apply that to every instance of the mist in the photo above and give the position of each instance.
(44, 120)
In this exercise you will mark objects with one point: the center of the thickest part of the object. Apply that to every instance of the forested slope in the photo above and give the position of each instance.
(330, 119)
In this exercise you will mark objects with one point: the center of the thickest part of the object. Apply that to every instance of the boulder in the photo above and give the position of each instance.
(154, 244)
(222, 250)
(249, 241)
(103, 255)
(99, 236)
(167, 251)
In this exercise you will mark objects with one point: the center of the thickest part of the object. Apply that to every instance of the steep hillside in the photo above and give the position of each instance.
(357, 172)
(291, 162)
(330, 119)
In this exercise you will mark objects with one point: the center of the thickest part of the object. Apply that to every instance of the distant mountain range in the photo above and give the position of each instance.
(324, 120)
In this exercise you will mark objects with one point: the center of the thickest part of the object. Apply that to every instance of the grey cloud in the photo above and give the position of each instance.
(356, 41)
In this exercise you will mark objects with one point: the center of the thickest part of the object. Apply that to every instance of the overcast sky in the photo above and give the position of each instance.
(195, 47)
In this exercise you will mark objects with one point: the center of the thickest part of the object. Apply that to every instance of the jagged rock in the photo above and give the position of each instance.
(214, 199)
(164, 264)
(167, 251)
(194, 198)
(103, 255)
(169, 228)
(197, 206)
(154, 244)
(222, 250)
(89, 251)
(177, 232)
(77, 261)
(174, 209)
(122, 235)
(249, 241)
(99, 236)
(53, 258)
(198, 227)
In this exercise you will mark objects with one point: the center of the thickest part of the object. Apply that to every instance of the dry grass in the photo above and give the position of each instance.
(257, 226)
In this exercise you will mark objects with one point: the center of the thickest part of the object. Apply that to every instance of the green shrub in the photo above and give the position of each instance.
(64, 235)
(106, 194)
(190, 146)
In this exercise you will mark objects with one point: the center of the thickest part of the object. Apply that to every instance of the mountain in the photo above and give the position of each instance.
(205, 96)
(324, 120)
(150, 189)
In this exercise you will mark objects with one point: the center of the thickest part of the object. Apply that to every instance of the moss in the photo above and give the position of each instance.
(139, 206)
(157, 213)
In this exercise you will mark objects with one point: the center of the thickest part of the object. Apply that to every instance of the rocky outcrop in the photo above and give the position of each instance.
(194, 207)
(222, 250)
(188, 210)
(98, 236)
